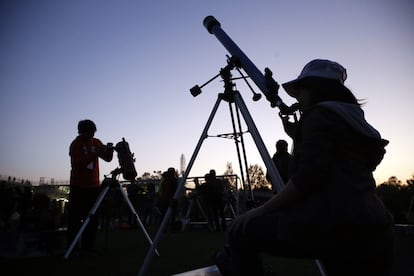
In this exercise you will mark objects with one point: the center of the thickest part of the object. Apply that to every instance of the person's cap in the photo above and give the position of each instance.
(320, 68)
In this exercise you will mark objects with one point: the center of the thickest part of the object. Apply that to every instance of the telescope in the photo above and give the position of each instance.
(126, 160)
(264, 82)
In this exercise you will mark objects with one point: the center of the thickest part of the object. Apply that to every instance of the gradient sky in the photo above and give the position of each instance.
(129, 65)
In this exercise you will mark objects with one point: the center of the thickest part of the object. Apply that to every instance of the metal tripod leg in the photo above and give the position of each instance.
(186, 219)
(85, 223)
(131, 207)
(180, 187)
(188, 213)
(271, 168)
(93, 211)
(200, 207)
(230, 206)
(236, 141)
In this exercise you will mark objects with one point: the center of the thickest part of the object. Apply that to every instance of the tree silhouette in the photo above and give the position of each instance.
(230, 180)
(397, 197)
(258, 178)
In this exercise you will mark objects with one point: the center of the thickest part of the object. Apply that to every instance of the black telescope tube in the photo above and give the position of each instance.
(213, 27)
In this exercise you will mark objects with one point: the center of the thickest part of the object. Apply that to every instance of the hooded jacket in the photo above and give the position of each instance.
(335, 153)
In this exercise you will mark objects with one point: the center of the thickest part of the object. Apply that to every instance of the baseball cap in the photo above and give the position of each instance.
(320, 68)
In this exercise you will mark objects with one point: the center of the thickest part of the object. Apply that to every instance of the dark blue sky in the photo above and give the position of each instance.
(128, 65)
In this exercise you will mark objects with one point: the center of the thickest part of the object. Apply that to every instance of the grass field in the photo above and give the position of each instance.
(122, 252)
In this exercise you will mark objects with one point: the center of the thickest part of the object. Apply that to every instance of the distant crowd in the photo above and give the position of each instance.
(29, 209)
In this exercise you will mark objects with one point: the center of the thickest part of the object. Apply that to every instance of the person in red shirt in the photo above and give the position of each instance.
(84, 152)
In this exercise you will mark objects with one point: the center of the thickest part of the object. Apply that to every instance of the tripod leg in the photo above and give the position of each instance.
(137, 217)
(190, 207)
(210, 227)
(180, 187)
(274, 174)
(236, 141)
(85, 223)
(186, 219)
(230, 206)
(244, 154)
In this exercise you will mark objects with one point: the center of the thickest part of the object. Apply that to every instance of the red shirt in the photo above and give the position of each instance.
(84, 153)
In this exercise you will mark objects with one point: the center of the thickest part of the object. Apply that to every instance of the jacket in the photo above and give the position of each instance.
(335, 154)
(84, 155)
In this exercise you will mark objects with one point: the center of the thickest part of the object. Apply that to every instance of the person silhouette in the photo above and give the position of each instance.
(328, 209)
(84, 152)
(168, 187)
(214, 198)
(283, 161)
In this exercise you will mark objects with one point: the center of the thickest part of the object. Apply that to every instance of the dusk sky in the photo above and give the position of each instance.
(129, 65)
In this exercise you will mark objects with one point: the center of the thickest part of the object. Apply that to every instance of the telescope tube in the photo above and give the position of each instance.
(126, 160)
(213, 27)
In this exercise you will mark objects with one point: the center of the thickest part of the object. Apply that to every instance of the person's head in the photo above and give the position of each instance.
(212, 173)
(320, 80)
(171, 172)
(86, 128)
(281, 146)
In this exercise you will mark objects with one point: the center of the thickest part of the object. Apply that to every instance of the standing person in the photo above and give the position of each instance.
(215, 202)
(150, 210)
(329, 209)
(283, 161)
(85, 151)
(168, 186)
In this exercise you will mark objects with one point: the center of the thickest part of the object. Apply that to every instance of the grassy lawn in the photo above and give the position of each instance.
(122, 252)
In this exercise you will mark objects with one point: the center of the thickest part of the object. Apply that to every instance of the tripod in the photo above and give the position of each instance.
(107, 183)
(194, 199)
(232, 96)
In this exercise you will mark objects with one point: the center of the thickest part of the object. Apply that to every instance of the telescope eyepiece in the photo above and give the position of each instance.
(209, 22)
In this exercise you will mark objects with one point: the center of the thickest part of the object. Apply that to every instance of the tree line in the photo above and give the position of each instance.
(397, 196)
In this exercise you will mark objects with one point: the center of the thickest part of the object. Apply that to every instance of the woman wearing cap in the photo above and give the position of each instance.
(328, 210)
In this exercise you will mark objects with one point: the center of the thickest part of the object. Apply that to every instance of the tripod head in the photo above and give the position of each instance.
(225, 74)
